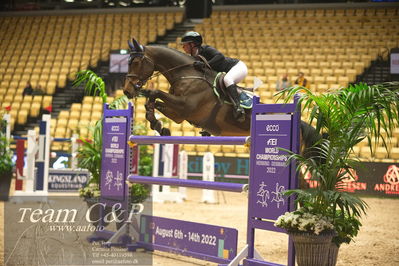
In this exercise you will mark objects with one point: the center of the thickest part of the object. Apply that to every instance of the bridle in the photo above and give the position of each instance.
(142, 81)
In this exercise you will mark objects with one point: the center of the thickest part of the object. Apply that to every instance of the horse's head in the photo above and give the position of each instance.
(141, 68)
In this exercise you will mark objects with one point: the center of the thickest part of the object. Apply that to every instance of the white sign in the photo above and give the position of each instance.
(395, 63)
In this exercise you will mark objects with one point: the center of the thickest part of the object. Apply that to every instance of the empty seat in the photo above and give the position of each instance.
(73, 124)
(35, 109)
(22, 117)
(331, 80)
(76, 107)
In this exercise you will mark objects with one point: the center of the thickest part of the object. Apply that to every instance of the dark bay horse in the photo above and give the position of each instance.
(190, 96)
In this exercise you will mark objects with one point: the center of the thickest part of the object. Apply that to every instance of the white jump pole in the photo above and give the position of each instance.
(167, 157)
(43, 160)
(155, 170)
(31, 151)
(183, 170)
(74, 150)
(208, 174)
(167, 154)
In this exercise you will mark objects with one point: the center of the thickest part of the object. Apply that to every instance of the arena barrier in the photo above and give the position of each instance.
(34, 176)
(35, 172)
(273, 126)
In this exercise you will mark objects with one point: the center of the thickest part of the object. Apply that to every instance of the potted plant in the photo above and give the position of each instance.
(6, 164)
(90, 152)
(312, 233)
(344, 117)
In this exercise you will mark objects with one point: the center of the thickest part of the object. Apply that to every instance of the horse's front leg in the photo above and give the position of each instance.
(180, 104)
(154, 123)
(169, 112)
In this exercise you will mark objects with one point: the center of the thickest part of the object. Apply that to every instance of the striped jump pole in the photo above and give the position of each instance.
(222, 186)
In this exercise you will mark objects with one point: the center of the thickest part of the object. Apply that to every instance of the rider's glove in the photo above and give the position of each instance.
(199, 65)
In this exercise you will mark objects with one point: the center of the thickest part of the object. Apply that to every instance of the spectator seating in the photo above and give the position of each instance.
(331, 46)
(49, 50)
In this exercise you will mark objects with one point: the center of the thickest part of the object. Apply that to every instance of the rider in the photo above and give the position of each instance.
(235, 69)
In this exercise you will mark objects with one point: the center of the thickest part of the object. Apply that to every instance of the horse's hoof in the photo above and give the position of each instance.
(145, 93)
(239, 115)
(165, 131)
(241, 118)
(157, 126)
(150, 94)
(205, 133)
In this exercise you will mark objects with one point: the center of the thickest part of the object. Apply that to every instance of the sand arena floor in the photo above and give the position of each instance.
(376, 244)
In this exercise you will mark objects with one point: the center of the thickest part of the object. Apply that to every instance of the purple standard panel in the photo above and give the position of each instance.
(271, 175)
(202, 241)
(114, 168)
(273, 126)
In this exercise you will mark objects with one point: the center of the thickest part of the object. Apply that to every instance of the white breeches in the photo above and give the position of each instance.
(236, 74)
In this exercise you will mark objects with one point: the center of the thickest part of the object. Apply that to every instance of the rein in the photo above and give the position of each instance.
(158, 73)
(177, 67)
(171, 69)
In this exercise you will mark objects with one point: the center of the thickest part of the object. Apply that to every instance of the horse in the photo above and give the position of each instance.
(191, 96)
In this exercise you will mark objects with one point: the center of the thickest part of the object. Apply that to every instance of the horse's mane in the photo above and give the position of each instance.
(177, 54)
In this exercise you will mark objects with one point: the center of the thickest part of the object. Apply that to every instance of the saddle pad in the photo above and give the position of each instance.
(245, 98)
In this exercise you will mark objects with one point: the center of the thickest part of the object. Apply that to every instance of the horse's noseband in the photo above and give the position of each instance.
(140, 82)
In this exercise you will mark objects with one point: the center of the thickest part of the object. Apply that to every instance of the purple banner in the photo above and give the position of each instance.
(215, 243)
(271, 173)
(113, 170)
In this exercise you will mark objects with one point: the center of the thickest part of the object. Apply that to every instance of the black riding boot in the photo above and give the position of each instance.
(239, 112)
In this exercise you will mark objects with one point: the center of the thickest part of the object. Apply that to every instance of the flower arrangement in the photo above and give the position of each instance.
(92, 190)
(303, 220)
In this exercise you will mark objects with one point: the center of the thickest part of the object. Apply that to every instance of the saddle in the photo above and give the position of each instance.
(219, 88)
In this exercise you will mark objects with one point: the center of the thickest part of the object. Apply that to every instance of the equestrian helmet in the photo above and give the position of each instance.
(192, 36)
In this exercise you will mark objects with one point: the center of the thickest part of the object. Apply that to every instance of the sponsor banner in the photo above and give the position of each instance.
(380, 179)
(371, 178)
(67, 180)
(225, 167)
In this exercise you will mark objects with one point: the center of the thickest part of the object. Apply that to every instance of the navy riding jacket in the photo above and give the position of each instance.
(216, 59)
